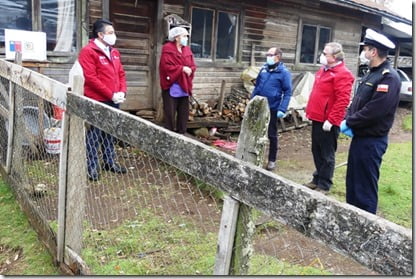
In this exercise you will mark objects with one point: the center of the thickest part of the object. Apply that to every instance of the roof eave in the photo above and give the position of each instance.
(370, 10)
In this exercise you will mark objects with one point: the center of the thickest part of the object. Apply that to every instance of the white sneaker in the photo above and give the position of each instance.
(271, 165)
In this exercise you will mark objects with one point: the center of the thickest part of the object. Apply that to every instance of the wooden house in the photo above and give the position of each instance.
(226, 36)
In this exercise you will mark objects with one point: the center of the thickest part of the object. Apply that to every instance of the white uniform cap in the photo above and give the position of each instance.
(176, 31)
(377, 40)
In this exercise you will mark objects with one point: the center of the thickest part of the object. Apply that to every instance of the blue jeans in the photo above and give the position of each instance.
(95, 139)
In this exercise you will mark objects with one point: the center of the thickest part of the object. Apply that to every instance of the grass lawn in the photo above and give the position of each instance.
(395, 184)
(21, 251)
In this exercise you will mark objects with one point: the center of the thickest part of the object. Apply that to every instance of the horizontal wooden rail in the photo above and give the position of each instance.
(373, 241)
(51, 90)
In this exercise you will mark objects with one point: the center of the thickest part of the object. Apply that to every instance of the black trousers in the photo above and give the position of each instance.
(176, 112)
(273, 135)
(363, 171)
(324, 146)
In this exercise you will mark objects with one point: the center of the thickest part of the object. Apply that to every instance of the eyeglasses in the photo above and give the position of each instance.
(270, 55)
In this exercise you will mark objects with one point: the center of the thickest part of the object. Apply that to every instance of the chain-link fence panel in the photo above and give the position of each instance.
(144, 216)
(35, 160)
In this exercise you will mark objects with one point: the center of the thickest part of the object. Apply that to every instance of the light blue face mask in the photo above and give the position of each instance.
(184, 41)
(270, 60)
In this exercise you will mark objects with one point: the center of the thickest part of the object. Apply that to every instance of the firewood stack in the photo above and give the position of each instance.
(235, 105)
(202, 109)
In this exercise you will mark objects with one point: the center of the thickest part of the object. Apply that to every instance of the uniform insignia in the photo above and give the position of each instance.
(382, 88)
(369, 84)
(385, 71)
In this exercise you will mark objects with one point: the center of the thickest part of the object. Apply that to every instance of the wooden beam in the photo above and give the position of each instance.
(339, 225)
(234, 259)
(51, 90)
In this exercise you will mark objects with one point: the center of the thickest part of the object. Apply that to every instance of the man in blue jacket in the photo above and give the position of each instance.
(275, 83)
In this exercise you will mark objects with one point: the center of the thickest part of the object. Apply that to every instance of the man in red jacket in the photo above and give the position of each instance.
(105, 82)
(326, 108)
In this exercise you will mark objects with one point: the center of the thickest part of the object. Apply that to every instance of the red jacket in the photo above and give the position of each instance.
(103, 77)
(171, 64)
(330, 94)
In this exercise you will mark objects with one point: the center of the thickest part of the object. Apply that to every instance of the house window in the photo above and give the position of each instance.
(314, 38)
(56, 18)
(214, 34)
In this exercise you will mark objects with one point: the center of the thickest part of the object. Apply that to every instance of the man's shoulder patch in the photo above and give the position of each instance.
(385, 71)
(382, 88)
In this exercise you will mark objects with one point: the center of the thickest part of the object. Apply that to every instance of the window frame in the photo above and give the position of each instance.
(319, 26)
(214, 36)
(36, 15)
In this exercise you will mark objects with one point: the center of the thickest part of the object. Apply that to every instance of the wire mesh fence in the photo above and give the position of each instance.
(161, 216)
(153, 219)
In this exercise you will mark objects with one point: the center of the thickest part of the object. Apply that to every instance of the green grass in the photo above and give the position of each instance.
(407, 123)
(395, 183)
(151, 246)
(17, 233)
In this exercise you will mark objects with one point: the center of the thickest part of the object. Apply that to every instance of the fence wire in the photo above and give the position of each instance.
(152, 220)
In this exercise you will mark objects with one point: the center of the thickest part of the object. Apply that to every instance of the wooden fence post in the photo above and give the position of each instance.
(12, 114)
(72, 184)
(236, 230)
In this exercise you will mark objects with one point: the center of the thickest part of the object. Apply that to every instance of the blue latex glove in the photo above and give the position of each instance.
(280, 114)
(345, 129)
(348, 133)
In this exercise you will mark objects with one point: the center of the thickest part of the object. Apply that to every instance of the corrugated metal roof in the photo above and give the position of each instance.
(371, 7)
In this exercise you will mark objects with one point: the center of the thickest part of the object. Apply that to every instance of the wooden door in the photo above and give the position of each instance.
(134, 24)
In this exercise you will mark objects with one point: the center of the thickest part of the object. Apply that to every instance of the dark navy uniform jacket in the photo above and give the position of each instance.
(371, 113)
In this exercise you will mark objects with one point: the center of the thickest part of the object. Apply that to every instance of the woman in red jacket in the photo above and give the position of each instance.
(176, 69)
(326, 108)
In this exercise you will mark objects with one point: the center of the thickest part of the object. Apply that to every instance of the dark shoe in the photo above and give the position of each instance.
(93, 175)
(325, 192)
(115, 168)
(311, 185)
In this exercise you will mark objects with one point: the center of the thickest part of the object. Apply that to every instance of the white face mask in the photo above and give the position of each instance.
(110, 39)
(364, 60)
(323, 60)
(184, 41)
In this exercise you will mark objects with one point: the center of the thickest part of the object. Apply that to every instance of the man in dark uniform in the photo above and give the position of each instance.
(368, 121)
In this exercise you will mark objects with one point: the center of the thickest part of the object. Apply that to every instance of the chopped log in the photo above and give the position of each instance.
(198, 122)
(147, 114)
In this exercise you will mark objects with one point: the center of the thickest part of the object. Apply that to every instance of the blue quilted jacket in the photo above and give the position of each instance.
(276, 85)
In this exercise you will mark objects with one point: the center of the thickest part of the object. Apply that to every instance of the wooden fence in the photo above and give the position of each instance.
(369, 239)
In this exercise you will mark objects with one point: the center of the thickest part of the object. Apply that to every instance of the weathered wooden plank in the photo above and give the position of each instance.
(76, 177)
(45, 87)
(359, 234)
(251, 148)
(77, 264)
(226, 236)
